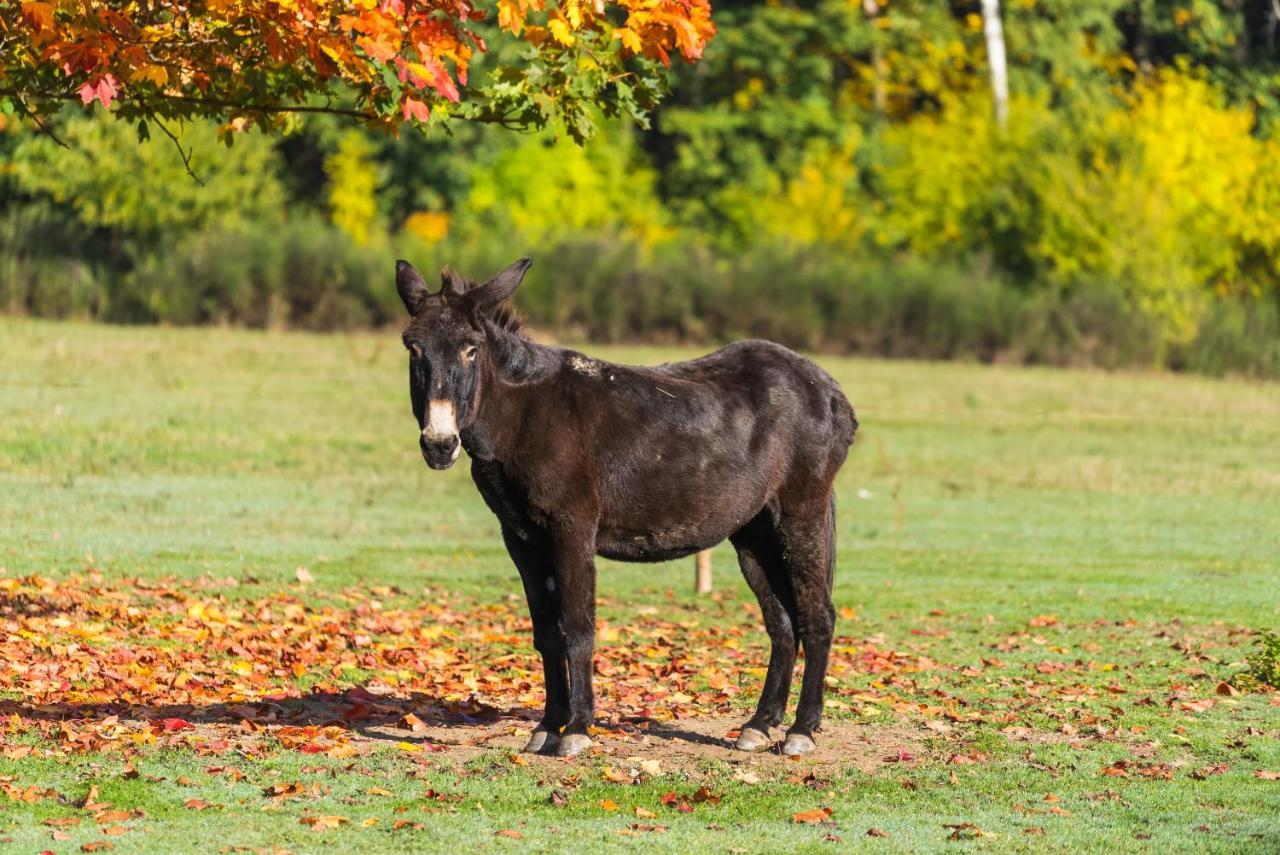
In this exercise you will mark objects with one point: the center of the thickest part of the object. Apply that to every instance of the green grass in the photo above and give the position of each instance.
(1143, 511)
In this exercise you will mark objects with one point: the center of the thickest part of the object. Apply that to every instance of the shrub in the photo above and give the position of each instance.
(307, 274)
(1264, 663)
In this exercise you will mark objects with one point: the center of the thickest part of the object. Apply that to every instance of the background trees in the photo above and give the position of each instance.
(829, 174)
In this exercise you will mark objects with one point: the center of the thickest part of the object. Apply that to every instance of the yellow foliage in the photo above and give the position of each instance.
(1170, 202)
(353, 183)
(819, 204)
(544, 188)
(1169, 196)
(430, 227)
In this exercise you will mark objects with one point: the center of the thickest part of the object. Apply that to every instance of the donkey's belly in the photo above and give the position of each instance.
(682, 527)
(656, 545)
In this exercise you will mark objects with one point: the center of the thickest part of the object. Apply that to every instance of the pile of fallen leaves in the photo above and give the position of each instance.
(98, 663)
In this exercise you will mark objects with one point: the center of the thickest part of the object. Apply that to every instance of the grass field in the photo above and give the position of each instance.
(1045, 577)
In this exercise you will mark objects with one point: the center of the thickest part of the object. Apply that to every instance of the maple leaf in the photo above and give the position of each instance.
(414, 109)
(38, 15)
(169, 725)
(103, 89)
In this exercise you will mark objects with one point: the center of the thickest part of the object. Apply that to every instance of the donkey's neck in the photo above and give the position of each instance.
(516, 370)
(518, 361)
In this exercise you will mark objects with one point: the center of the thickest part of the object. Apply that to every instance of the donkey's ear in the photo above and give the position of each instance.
(501, 286)
(452, 284)
(411, 287)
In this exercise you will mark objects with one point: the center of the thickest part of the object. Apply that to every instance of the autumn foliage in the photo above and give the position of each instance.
(249, 61)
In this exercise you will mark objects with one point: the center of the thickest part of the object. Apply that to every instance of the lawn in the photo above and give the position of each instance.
(239, 611)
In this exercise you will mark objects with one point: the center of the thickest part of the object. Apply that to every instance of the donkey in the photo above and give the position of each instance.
(578, 457)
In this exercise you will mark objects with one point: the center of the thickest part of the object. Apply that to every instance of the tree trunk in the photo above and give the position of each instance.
(994, 32)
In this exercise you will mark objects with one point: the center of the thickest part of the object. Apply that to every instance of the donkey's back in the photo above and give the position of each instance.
(684, 454)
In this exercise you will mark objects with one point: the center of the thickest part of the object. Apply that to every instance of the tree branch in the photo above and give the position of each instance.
(265, 109)
(44, 129)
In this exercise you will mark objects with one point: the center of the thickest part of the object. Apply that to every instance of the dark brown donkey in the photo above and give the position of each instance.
(579, 457)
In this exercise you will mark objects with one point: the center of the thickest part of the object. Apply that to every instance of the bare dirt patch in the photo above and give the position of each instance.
(685, 745)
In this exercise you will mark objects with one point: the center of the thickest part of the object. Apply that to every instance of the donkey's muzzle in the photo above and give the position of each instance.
(440, 453)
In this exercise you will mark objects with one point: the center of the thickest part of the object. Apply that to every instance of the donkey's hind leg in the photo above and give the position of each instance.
(809, 550)
(760, 556)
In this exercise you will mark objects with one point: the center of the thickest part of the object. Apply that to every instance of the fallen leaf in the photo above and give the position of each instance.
(705, 795)
(323, 823)
(811, 817)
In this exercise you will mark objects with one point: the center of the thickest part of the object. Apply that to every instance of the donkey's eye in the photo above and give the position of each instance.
(469, 353)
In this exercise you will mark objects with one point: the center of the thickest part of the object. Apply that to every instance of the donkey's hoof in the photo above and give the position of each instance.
(541, 741)
(797, 744)
(573, 744)
(751, 739)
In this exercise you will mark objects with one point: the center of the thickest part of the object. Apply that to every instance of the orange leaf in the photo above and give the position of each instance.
(811, 817)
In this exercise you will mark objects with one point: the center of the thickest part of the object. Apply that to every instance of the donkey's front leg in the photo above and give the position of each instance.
(537, 571)
(576, 579)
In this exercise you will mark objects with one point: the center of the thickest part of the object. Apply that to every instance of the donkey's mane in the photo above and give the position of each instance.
(506, 319)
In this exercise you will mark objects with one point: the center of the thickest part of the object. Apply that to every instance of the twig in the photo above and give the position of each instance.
(185, 155)
(44, 129)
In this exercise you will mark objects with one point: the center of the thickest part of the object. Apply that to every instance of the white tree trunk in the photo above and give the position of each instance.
(994, 32)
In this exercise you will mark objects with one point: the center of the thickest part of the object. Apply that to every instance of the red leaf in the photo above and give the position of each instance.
(104, 90)
(415, 109)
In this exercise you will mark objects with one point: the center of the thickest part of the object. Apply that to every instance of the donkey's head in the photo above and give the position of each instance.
(446, 342)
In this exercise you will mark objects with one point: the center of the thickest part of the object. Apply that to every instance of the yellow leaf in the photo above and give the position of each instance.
(560, 31)
(157, 74)
(630, 39)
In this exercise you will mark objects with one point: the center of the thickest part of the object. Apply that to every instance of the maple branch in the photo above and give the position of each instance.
(266, 109)
(44, 129)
